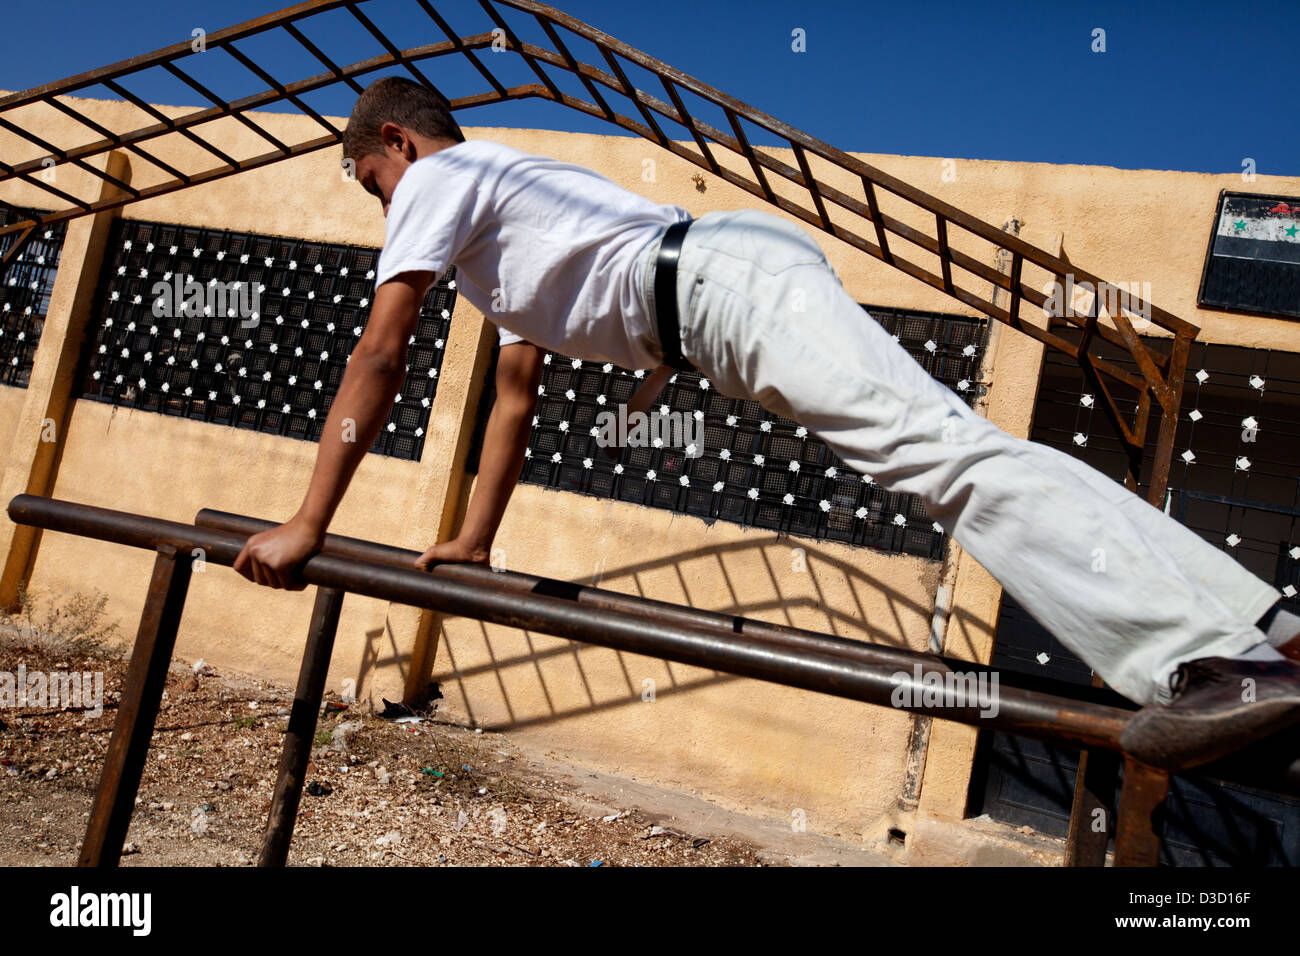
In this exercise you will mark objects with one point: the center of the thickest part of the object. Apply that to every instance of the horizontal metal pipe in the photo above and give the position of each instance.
(1017, 711)
(715, 621)
(550, 607)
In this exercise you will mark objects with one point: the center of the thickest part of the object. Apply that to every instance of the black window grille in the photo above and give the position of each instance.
(25, 295)
(263, 345)
(757, 469)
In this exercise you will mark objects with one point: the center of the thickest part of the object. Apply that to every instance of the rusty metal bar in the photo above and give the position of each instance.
(1013, 310)
(1171, 406)
(183, 48)
(459, 44)
(554, 37)
(513, 41)
(1141, 804)
(276, 85)
(53, 151)
(146, 676)
(173, 125)
(391, 48)
(301, 733)
(20, 243)
(115, 140)
(617, 602)
(547, 607)
(1094, 789)
(222, 105)
(945, 254)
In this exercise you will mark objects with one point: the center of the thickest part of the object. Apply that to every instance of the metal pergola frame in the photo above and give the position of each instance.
(859, 220)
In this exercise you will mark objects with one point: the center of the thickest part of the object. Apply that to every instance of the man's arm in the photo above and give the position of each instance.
(373, 377)
(643, 398)
(519, 372)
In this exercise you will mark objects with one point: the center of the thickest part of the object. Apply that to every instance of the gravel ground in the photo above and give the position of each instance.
(379, 792)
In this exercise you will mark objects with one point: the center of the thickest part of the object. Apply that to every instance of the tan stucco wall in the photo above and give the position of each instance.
(743, 743)
(11, 407)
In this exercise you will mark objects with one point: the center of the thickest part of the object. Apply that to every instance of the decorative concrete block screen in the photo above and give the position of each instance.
(264, 343)
(25, 296)
(756, 469)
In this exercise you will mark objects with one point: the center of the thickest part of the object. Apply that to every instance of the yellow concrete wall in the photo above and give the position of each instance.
(743, 743)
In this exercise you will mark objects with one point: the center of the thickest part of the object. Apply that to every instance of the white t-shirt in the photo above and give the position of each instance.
(546, 250)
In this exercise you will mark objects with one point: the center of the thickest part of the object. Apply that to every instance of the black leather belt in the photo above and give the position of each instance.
(666, 296)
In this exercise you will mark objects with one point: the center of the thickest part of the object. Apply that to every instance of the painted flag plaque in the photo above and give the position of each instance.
(1253, 263)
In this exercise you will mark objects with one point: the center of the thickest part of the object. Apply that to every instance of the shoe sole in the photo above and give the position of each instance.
(1174, 739)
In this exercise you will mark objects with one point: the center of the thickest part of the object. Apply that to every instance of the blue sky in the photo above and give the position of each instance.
(1181, 85)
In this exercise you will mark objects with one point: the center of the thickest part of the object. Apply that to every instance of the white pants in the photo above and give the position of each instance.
(1128, 589)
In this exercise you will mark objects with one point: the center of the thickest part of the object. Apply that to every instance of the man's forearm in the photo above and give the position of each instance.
(500, 462)
(358, 412)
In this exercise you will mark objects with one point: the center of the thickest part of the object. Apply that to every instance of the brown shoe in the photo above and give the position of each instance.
(1215, 711)
(1290, 649)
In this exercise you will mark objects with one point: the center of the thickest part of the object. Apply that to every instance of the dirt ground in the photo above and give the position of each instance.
(424, 792)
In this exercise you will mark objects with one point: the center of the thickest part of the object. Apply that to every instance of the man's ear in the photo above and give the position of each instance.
(392, 135)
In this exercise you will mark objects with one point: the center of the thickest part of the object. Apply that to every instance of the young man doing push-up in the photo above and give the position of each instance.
(563, 259)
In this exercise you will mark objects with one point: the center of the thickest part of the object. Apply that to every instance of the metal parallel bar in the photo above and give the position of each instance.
(301, 733)
(615, 601)
(550, 607)
(146, 676)
(222, 105)
(1141, 804)
(548, 610)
